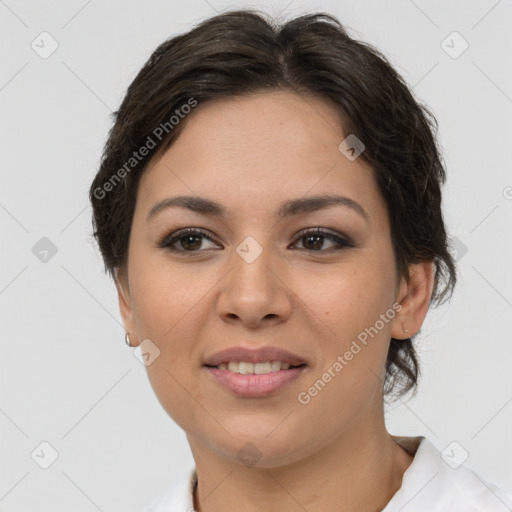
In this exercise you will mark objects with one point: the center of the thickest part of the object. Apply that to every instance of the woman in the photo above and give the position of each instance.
(269, 207)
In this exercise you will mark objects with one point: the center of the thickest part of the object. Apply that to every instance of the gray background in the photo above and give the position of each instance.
(67, 377)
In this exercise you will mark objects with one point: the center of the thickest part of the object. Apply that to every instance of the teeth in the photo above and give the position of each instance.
(275, 366)
(260, 368)
(254, 368)
(245, 367)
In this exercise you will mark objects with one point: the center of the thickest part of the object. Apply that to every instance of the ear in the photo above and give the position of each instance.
(125, 307)
(414, 297)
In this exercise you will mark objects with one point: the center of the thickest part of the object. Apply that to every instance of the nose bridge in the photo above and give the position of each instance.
(253, 289)
(251, 262)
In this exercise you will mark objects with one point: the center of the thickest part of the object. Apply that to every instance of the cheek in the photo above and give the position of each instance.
(165, 296)
(349, 298)
(353, 311)
(166, 306)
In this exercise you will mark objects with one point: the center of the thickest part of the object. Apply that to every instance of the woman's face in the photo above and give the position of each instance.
(253, 279)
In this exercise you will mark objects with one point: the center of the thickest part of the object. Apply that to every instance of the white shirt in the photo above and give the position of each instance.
(430, 484)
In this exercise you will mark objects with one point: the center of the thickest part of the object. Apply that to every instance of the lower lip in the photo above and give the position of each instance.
(250, 385)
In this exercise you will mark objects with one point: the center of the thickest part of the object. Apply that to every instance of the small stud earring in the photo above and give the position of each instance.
(127, 340)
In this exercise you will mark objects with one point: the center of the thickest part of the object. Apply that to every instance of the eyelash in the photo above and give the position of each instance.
(169, 240)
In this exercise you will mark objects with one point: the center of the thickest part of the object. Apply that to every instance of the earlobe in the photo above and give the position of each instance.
(414, 297)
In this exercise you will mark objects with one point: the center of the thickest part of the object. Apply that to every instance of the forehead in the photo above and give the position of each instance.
(255, 123)
(259, 149)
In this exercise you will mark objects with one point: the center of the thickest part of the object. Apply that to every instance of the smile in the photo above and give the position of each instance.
(245, 381)
(254, 368)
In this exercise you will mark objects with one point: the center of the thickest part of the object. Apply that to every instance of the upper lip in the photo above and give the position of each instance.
(260, 355)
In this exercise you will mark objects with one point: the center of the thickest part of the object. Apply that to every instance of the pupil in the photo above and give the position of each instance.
(317, 245)
(185, 242)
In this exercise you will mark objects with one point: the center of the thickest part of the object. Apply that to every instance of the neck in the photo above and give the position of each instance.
(361, 470)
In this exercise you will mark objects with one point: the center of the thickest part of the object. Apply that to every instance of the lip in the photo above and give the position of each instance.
(248, 385)
(260, 355)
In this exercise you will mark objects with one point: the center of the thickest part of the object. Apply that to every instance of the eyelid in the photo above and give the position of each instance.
(169, 238)
(343, 241)
(326, 233)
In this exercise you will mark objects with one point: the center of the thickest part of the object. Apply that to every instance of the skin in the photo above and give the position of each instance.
(251, 154)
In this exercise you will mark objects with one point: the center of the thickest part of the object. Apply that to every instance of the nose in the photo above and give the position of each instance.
(255, 293)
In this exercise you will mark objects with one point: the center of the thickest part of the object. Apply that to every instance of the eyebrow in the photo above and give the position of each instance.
(289, 208)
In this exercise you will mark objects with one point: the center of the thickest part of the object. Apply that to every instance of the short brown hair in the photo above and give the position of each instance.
(241, 52)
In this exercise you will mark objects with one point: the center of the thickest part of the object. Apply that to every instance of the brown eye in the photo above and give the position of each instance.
(192, 239)
(314, 240)
(189, 240)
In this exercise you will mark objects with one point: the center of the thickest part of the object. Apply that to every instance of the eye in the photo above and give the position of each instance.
(189, 239)
(316, 239)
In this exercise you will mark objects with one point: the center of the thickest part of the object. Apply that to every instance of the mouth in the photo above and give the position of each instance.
(255, 380)
(248, 368)
(250, 372)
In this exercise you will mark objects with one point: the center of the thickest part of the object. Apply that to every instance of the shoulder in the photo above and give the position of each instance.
(440, 482)
(179, 496)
